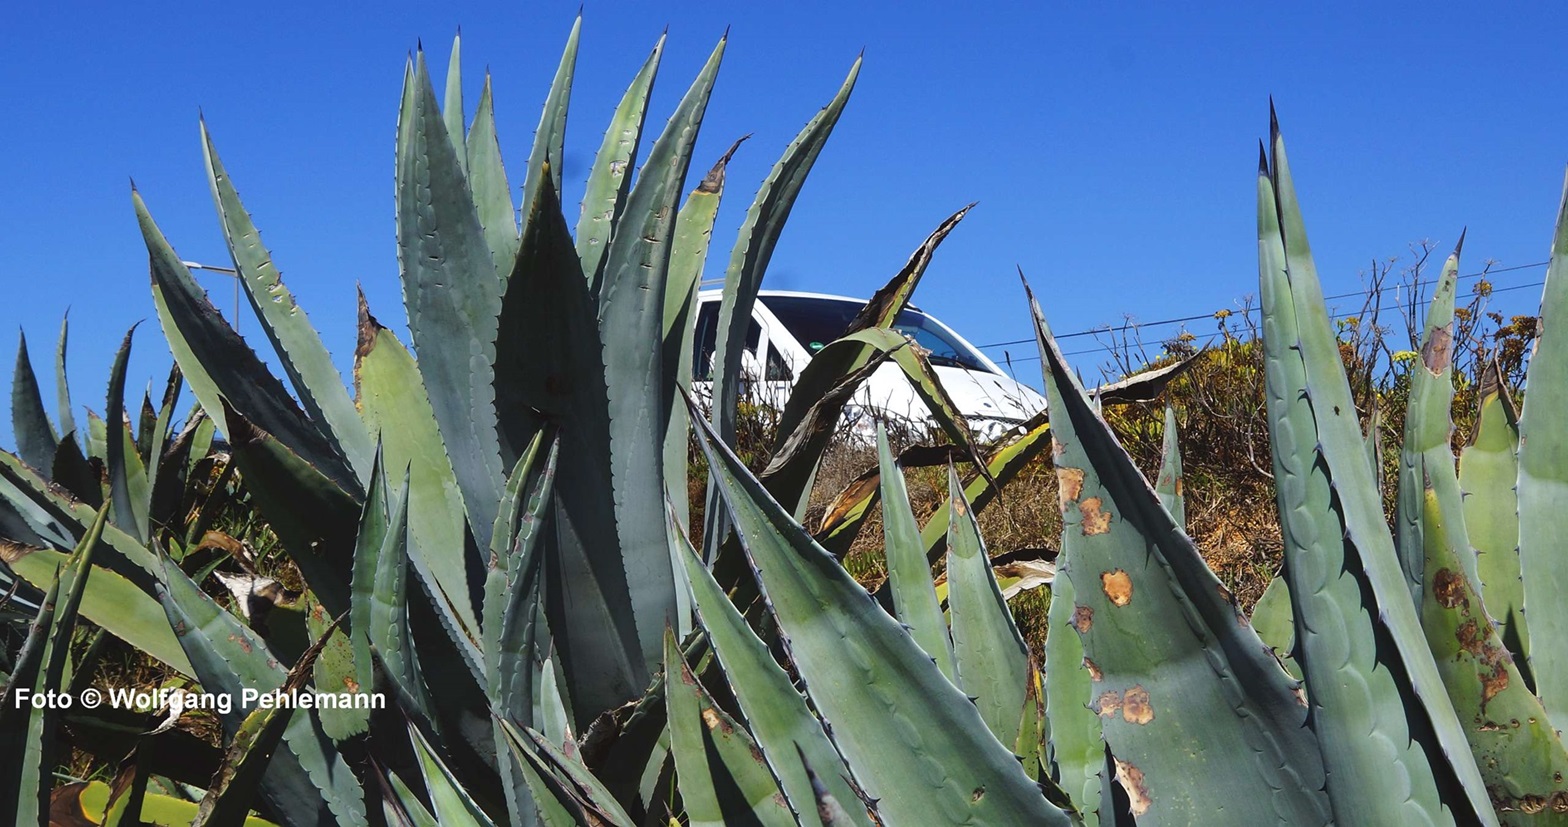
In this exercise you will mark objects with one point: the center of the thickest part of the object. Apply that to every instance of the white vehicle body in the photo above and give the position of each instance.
(788, 328)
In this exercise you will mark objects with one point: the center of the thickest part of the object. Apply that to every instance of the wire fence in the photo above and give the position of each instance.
(1245, 313)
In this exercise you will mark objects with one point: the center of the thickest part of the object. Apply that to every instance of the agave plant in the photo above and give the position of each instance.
(494, 536)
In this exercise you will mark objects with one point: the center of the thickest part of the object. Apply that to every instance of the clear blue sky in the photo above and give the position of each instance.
(1111, 147)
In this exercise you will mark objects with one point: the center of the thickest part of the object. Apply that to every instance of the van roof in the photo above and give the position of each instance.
(716, 291)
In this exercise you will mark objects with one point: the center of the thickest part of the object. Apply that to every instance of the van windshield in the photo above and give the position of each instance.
(814, 322)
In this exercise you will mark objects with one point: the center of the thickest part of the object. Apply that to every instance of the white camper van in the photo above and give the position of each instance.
(788, 328)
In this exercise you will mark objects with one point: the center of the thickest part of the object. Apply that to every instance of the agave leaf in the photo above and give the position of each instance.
(829, 811)
(990, 654)
(547, 758)
(29, 732)
(395, 406)
(749, 258)
(609, 181)
(297, 344)
(693, 231)
(1543, 477)
(157, 441)
(1374, 443)
(306, 781)
(1488, 469)
(36, 439)
(334, 671)
(548, 153)
(724, 779)
(514, 626)
(909, 575)
(560, 804)
(110, 601)
(451, 802)
(775, 712)
(374, 524)
(550, 361)
(222, 370)
(631, 312)
(61, 386)
(401, 805)
(234, 785)
(487, 179)
(453, 298)
(1030, 734)
(1344, 575)
(311, 515)
(452, 104)
(797, 450)
(1521, 757)
(54, 518)
(753, 250)
(867, 676)
(387, 625)
(1271, 618)
(1077, 745)
(72, 472)
(1168, 484)
(1147, 603)
(130, 509)
(1427, 448)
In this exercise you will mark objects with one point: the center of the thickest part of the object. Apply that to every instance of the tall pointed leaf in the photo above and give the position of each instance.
(631, 313)
(1178, 675)
(130, 510)
(452, 103)
(487, 179)
(1077, 745)
(453, 298)
(610, 179)
(723, 777)
(865, 674)
(1426, 457)
(548, 153)
(990, 654)
(550, 366)
(753, 249)
(1543, 478)
(909, 575)
(1381, 737)
(220, 366)
(298, 346)
(1519, 753)
(693, 231)
(395, 406)
(775, 712)
(61, 386)
(1488, 469)
(35, 436)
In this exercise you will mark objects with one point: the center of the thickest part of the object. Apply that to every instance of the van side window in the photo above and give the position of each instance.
(707, 342)
(778, 371)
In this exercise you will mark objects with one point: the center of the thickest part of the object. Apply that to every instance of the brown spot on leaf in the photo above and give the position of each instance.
(350, 684)
(1083, 618)
(1057, 447)
(1069, 485)
(1118, 586)
(711, 718)
(1493, 682)
(1108, 704)
(1136, 708)
(960, 509)
(1470, 638)
(1096, 520)
(1448, 587)
(1094, 671)
(1131, 778)
(1178, 486)
(1438, 351)
(241, 642)
(978, 794)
